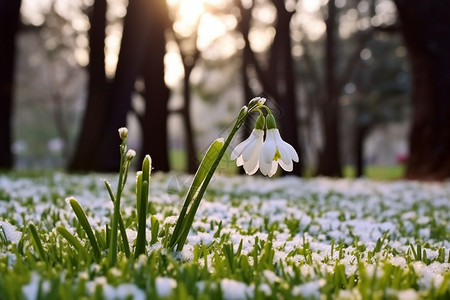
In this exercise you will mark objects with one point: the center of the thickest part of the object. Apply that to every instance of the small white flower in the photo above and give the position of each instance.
(276, 151)
(247, 152)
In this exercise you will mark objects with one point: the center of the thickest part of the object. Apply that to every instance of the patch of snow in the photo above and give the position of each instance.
(235, 290)
(164, 286)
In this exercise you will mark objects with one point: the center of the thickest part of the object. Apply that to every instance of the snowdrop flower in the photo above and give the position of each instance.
(247, 152)
(275, 151)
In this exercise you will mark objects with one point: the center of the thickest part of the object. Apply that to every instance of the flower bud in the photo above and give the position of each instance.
(130, 154)
(257, 101)
(242, 112)
(123, 133)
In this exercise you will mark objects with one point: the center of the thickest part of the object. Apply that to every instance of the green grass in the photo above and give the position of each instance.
(377, 172)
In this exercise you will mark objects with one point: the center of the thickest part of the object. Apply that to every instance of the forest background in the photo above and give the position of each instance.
(354, 82)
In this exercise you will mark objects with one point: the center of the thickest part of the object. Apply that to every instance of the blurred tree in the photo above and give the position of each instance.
(348, 30)
(377, 91)
(278, 79)
(329, 158)
(426, 31)
(9, 23)
(141, 53)
(96, 104)
(190, 53)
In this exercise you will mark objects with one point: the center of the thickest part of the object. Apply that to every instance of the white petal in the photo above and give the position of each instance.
(284, 153)
(273, 169)
(249, 171)
(287, 152)
(269, 147)
(265, 167)
(239, 161)
(253, 146)
(287, 167)
(239, 148)
(292, 153)
(253, 161)
(268, 169)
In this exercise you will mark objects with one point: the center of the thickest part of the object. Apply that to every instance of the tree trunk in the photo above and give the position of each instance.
(154, 129)
(141, 23)
(288, 100)
(191, 153)
(96, 105)
(330, 157)
(426, 31)
(360, 137)
(9, 23)
(281, 82)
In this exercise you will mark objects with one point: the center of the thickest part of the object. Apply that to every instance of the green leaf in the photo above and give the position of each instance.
(37, 242)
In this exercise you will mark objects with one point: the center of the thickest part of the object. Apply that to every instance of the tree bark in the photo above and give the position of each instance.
(330, 156)
(426, 31)
(9, 23)
(96, 105)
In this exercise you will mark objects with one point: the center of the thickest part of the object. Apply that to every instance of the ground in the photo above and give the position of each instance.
(253, 238)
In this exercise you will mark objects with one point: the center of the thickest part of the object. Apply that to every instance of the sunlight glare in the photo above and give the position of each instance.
(173, 65)
(311, 6)
(210, 29)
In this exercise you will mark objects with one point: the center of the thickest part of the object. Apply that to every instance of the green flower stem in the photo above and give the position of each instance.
(73, 241)
(123, 233)
(142, 199)
(181, 238)
(79, 212)
(112, 254)
(37, 242)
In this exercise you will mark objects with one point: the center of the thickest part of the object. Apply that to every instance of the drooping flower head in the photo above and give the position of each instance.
(275, 151)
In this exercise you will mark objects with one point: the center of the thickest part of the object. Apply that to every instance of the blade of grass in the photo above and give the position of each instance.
(144, 179)
(37, 242)
(123, 232)
(73, 241)
(79, 212)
